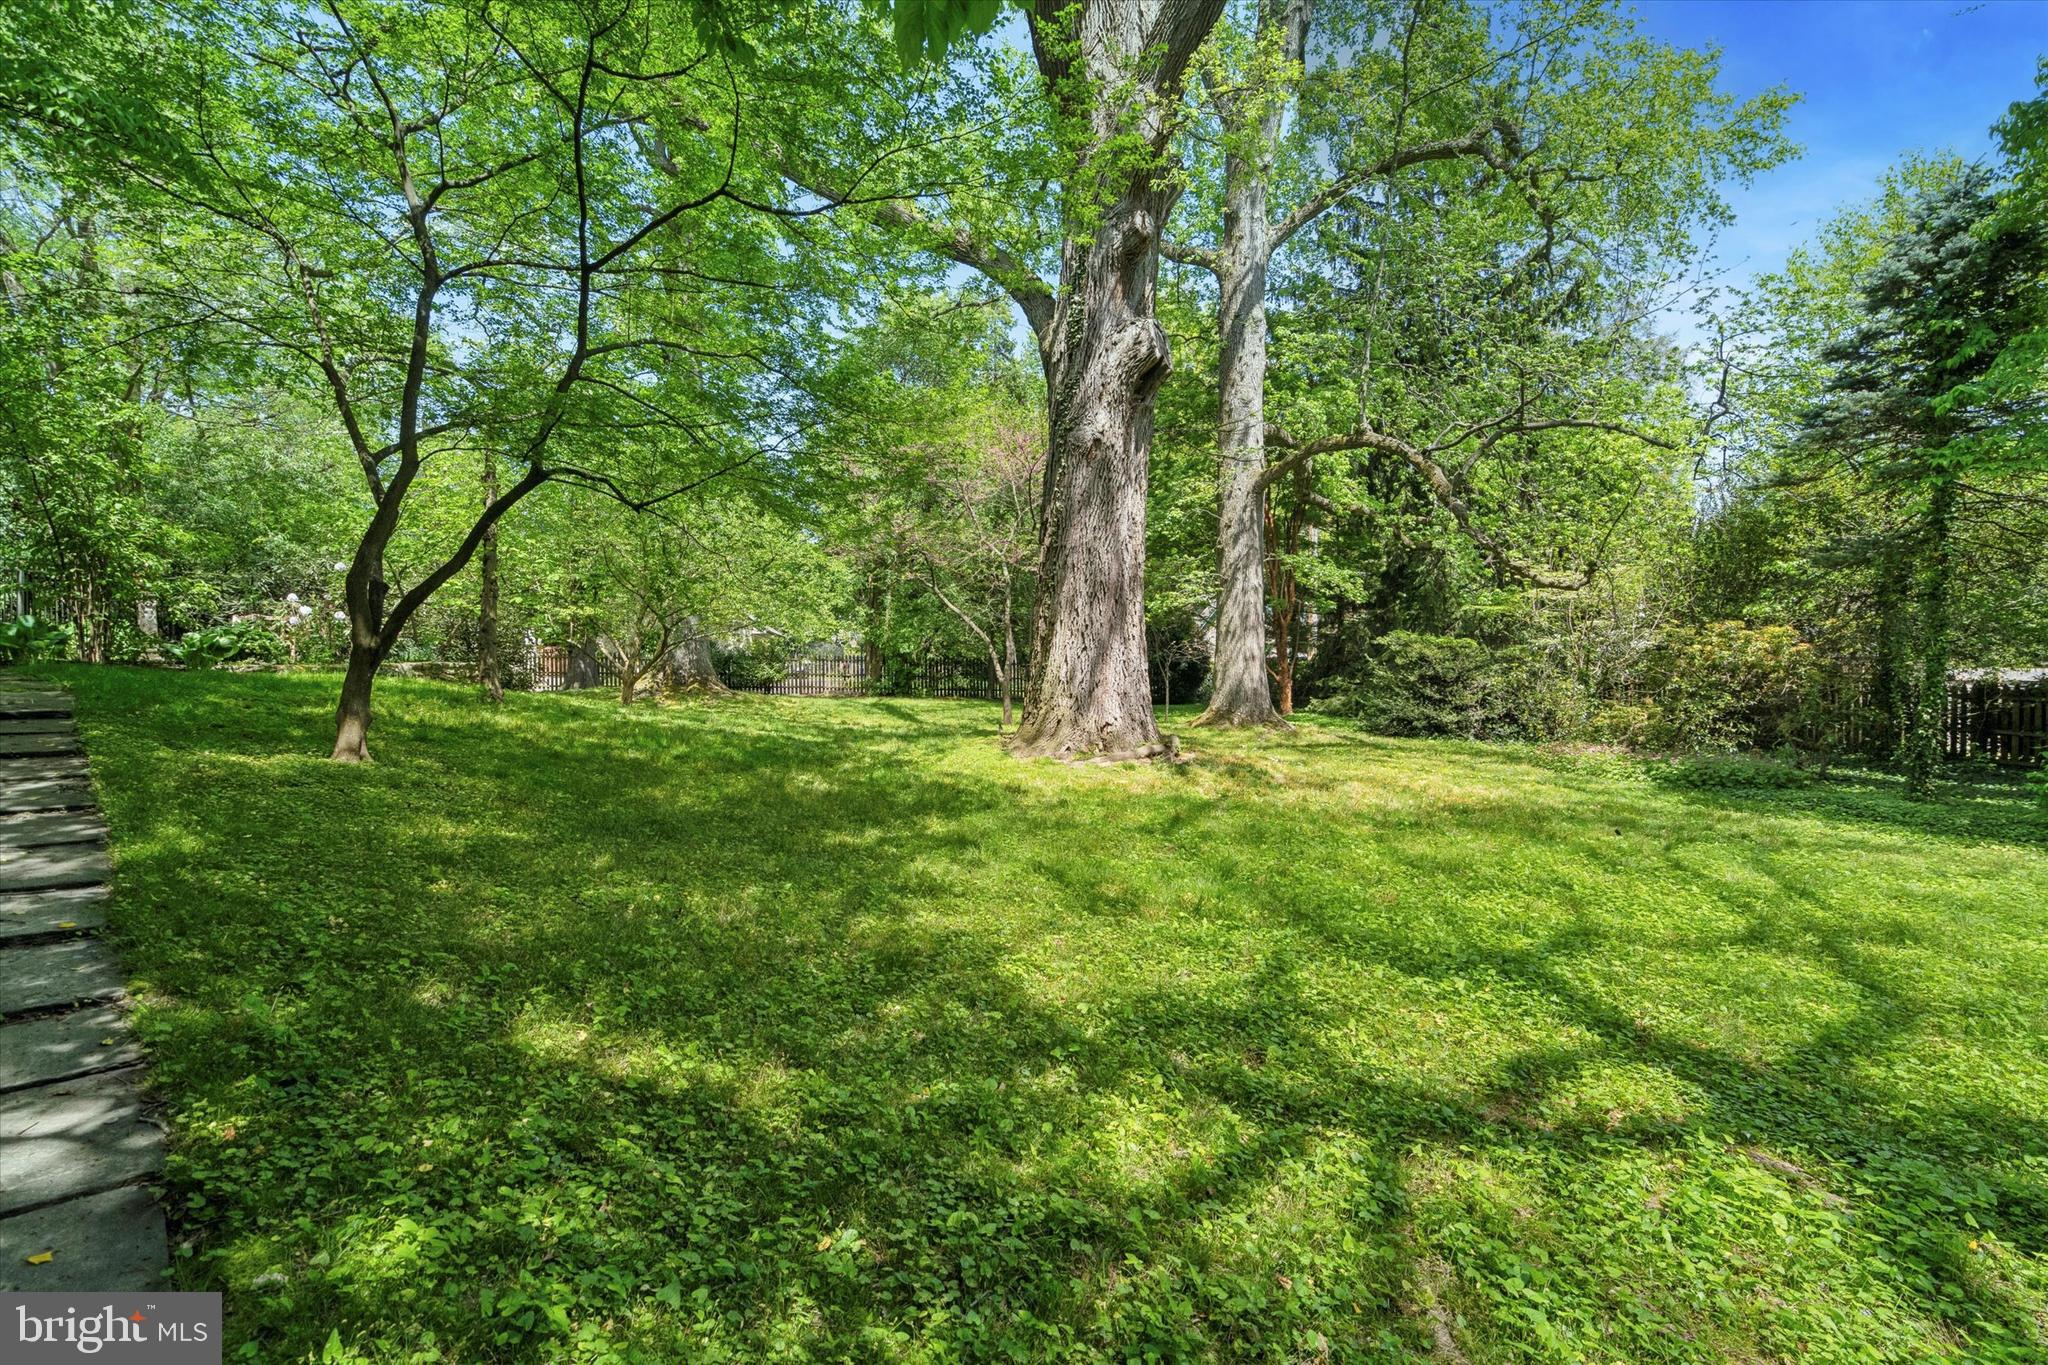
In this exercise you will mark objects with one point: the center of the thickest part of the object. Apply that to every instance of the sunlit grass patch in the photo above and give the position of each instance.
(719, 1030)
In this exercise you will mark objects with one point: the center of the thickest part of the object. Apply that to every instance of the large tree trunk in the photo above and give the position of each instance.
(1117, 72)
(1091, 691)
(489, 669)
(691, 667)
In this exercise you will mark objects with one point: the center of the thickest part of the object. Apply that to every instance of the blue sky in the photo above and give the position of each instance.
(1877, 79)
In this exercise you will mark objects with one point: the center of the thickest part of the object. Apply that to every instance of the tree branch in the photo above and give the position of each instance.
(1441, 487)
(1478, 142)
(1032, 295)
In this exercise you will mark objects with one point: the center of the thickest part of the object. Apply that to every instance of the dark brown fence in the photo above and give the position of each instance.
(2002, 722)
(803, 676)
(568, 668)
(2005, 722)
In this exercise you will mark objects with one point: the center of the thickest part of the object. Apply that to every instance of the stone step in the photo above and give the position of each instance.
(101, 1243)
(35, 725)
(61, 1047)
(27, 746)
(52, 827)
(31, 827)
(41, 976)
(33, 713)
(55, 791)
(60, 865)
(76, 1137)
(42, 914)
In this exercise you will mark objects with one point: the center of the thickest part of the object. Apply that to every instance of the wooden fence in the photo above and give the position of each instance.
(803, 675)
(2004, 722)
(568, 668)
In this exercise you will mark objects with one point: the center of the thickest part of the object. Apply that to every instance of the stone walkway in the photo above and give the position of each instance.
(77, 1144)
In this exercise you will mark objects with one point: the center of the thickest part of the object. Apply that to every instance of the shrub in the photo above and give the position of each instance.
(1726, 686)
(1452, 685)
(1730, 772)
(28, 638)
(749, 668)
(211, 646)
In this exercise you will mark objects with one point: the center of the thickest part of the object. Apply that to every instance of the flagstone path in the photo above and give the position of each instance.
(77, 1144)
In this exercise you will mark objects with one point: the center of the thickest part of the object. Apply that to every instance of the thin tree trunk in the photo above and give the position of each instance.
(1239, 692)
(1286, 599)
(1009, 647)
(352, 715)
(1924, 741)
(488, 668)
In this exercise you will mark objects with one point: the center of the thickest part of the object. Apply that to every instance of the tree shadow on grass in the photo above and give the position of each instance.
(1971, 807)
(633, 1006)
(1945, 1173)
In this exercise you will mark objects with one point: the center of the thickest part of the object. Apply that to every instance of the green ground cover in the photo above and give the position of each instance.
(775, 1029)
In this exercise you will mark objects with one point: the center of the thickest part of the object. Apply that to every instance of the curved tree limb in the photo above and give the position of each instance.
(1444, 489)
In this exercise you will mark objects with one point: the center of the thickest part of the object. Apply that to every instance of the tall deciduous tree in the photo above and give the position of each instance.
(1110, 77)
(1318, 107)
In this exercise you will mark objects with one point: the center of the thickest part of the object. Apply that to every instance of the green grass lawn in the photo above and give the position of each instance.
(817, 1030)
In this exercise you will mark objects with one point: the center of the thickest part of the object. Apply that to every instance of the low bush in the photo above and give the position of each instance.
(749, 668)
(1725, 686)
(1730, 772)
(212, 646)
(1451, 685)
(28, 638)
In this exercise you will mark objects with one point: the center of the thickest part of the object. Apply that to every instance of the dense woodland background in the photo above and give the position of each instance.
(736, 315)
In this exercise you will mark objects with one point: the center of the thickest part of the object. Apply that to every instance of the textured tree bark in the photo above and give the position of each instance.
(691, 668)
(1091, 692)
(1118, 67)
(488, 667)
(1239, 694)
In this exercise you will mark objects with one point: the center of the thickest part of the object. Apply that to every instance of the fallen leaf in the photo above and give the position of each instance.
(42, 1258)
(825, 1242)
